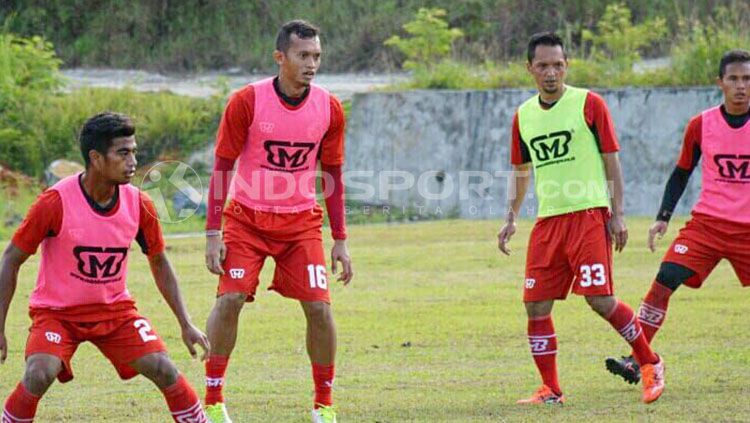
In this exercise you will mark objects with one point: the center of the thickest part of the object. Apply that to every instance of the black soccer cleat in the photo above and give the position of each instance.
(625, 367)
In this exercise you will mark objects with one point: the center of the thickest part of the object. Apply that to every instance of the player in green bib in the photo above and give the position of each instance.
(565, 136)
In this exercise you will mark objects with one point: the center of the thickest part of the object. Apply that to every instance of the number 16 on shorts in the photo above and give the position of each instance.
(317, 276)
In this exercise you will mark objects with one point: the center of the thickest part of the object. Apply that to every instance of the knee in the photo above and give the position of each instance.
(230, 305)
(39, 376)
(161, 371)
(673, 275)
(319, 314)
(602, 305)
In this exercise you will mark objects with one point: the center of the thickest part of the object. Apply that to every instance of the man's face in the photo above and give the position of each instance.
(548, 68)
(118, 165)
(736, 84)
(301, 60)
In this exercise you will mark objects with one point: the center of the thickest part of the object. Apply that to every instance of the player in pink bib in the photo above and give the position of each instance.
(719, 139)
(85, 225)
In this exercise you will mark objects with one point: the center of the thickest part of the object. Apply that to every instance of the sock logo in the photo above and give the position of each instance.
(680, 248)
(650, 315)
(630, 332)
(53, 337)
(193, 414)
(214, 382)
(540, 344)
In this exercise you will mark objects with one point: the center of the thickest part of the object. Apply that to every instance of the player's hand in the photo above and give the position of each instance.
(503, 237)
(191, 335)
(340, 253)
(216, 252)
(656, 231)
(619, 232)
(3, 348)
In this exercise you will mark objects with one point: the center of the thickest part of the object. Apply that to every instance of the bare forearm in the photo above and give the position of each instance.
(8, 281)
(166, 281)
(519, 184)
(613, 170)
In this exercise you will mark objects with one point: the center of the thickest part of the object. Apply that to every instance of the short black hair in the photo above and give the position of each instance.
(300, 28)
(732, 56)
(99, 131)
(546, 38)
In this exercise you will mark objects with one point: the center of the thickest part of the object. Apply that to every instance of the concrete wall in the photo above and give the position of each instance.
(447, 133)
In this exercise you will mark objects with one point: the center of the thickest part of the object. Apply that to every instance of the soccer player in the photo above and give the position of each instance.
(86, 224)
(720, 226)
(567, 136)
(278, 129)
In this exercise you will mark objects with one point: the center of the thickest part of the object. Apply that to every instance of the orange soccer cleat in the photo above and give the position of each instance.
(652, 378)
(543, 395)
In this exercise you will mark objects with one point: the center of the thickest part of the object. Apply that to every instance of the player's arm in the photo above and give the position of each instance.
(11, 262)
(332, 162)
(166, 281)
(678, 181)
(600, 122)
(151, 241)
(43, 219)
(518, 184)
(613, 171)
(230, 140)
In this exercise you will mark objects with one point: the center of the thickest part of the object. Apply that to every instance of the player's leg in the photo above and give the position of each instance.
(246, 252)
(181, 398)
(301, 274)
(547, 279)
(49, 348)
(688, 261)
(591, 257)
(41, 371)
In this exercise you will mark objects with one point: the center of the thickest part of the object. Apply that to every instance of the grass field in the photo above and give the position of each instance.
(431, 330)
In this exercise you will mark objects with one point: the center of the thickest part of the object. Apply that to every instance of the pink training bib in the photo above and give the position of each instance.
(725, 190)
(277, 167)
(87, 262)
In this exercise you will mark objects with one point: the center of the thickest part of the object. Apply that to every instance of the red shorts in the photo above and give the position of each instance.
(573, 249)
(300, 264)
(704, 241)
(122, 340)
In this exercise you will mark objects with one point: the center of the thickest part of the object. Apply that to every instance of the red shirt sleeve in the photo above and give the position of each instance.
(43, 219)
(691, 143)
(600, 121)
(235, 123)
(332, 146)
(519, 154)
(149, 236)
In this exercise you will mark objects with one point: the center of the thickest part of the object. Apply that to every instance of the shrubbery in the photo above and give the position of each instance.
(39, 122)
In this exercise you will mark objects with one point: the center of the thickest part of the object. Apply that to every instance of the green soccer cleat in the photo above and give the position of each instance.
(217, 413)
(324, 415)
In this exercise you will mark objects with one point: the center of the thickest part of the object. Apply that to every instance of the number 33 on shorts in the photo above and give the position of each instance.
(594, 274)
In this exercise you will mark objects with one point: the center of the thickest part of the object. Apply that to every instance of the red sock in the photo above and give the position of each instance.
(543, 343)
(623, 320)
(216, 366)
(183, 402)
(323, 379)
(20, 407)
(653, 309)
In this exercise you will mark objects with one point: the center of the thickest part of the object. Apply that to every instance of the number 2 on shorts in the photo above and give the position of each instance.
(595, 270)
(143, 329)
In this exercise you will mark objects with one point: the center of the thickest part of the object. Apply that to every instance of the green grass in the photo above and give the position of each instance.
(443, 290)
